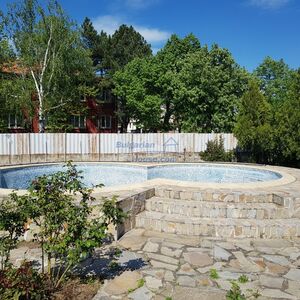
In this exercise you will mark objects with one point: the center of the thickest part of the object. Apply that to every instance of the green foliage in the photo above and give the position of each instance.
(215, 151)
(125, 45)
(288, 126)
(12, 220)
(97, 44)
(140, 283)
(210, 85)
(138, 98)
(23, 283)
(243, 278)
(167, 66)
(213, 274)
(253, 128)
(113, 265)
(235, 292)
(67, 232)
(183, 87)
(274, 79)
(51, 55)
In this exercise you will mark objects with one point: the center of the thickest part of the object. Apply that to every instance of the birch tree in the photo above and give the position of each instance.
(50, 51)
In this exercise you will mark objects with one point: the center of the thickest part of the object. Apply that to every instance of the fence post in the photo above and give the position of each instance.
(9, 149)
(65, 152)
(132, 156)
(99, 147)
(29, 147)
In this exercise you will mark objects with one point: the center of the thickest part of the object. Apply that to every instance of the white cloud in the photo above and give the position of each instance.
(110, 24)
(152, 35)
(269, 4)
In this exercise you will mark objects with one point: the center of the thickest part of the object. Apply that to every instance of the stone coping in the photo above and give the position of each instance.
(290, 176)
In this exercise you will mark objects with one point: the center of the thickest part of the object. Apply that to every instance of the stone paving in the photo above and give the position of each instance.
(179, 267)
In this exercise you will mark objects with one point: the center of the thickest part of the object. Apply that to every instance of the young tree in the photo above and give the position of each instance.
(287, 124)
(125, 45)
(253, 128)
(209, 87)
(274, 79)
(97, 43)
(134, 84)
(49, 52)
(168, 66)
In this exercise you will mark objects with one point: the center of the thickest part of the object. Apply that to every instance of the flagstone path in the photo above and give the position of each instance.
(179, 267)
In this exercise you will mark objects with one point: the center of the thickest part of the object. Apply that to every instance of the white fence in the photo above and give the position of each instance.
(115, 143)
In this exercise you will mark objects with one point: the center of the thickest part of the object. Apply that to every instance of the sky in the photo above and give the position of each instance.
(250, 29)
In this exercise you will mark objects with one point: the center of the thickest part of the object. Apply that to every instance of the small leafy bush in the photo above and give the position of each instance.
(12, 220)
(235, 292)
(213, 273)
(243, 278)
(215, 151)
(23, 283)
(69, 232)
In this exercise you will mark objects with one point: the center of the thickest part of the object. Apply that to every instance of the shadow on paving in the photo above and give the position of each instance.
(107, 267)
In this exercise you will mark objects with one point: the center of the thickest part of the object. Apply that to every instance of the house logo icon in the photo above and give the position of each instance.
(171, 145)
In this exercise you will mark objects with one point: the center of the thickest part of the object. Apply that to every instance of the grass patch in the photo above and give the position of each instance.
(213, 274)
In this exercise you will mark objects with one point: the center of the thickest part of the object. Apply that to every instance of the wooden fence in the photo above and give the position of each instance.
(27, 147)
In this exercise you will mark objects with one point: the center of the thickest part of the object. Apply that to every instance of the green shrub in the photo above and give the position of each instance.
(215, 151)
(12, 220)
(67, 233)
(213, 273)
(235, 292)
(23, 283)
(243, 278)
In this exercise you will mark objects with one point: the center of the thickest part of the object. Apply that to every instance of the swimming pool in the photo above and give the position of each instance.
(113, 174)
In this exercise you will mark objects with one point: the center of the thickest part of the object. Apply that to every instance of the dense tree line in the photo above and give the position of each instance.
(186, 86)
(268, 123)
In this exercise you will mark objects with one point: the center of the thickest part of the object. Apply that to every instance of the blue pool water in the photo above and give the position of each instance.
(116, 174)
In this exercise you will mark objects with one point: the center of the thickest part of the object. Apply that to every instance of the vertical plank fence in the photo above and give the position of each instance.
(53, 147)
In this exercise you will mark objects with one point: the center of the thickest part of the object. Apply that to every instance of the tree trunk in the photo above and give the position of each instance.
(41, 115)
(167, 116)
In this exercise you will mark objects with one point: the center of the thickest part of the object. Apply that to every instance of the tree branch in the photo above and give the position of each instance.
(57, 106)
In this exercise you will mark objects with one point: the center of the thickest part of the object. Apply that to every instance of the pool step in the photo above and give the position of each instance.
(218, 227)
(215, 195)
(215, 209)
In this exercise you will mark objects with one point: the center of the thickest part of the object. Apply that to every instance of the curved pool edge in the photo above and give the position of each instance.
(289, 176)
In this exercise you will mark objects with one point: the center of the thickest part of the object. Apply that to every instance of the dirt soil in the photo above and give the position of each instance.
(77, 290)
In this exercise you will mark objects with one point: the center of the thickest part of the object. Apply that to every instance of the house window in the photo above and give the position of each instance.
(104, 96)
(105, 122)
(78, 121)
(15, 121)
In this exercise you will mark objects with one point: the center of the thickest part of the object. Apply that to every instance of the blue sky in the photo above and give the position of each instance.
(250, 29)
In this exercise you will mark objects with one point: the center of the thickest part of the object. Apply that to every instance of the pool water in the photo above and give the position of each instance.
(117, 174)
